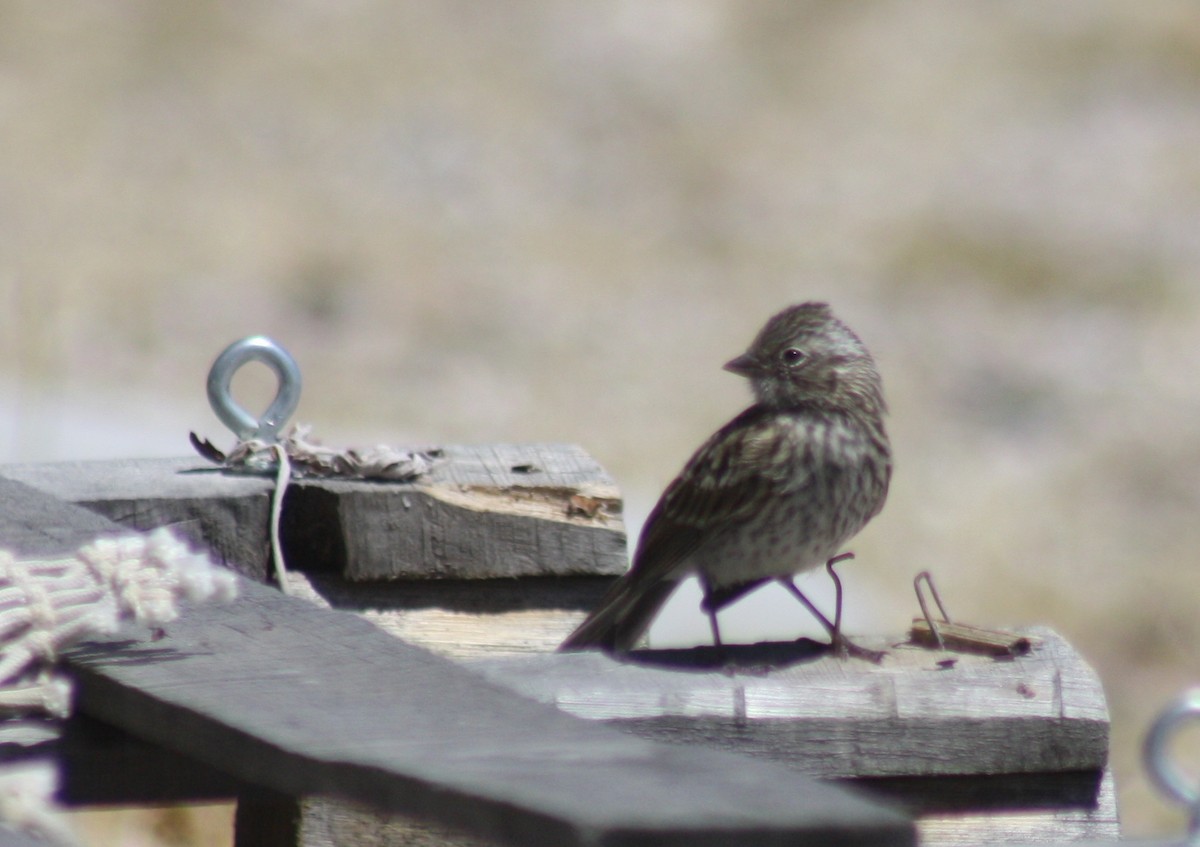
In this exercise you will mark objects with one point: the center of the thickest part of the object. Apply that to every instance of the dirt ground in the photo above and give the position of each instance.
(555, 220)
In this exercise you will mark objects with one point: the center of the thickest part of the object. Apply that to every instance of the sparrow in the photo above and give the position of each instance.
(773, 493)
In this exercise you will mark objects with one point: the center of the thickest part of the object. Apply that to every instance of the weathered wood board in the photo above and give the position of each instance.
(951, 808)
(456, 618)
(1095, 821)
(493, 511)
(102, 765)
(226, 514)
(1041, 713)
(297, 699)
(303, 700)
(34, 524)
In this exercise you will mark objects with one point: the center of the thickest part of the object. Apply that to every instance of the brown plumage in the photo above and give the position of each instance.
(774, 492)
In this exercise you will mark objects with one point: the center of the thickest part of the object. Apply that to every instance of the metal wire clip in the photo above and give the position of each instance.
(948, 635)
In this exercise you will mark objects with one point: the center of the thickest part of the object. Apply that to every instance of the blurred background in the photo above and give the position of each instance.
(554, 221)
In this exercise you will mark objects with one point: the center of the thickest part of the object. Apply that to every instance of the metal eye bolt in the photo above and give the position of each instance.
(1165, 773)
(256, 348)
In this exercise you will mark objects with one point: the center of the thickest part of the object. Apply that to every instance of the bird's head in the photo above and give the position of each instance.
(805, 355)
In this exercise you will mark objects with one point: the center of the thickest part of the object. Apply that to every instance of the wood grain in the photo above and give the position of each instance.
(491, 511)
(1096, 822)
(1041, 713)
(226, 514)
(500, 510)
(263, 693)
(297, 699)
(304, 700)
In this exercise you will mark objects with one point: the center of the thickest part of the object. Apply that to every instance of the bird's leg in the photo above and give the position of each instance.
(715, 627)
(841, 645)
(786, 582)
(716, 599)
(837, 587)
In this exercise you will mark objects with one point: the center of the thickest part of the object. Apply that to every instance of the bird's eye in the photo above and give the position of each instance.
(792, 356)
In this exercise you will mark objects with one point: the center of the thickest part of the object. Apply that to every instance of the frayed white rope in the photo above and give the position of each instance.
(46, 606)
(27, 804)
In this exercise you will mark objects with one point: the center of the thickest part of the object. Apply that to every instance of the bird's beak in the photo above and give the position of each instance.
(743, 365)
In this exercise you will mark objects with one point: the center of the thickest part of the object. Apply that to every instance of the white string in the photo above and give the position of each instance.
(295, 456)
(282, 477)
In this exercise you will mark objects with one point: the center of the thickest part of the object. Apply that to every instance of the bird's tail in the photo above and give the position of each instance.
(623, 616)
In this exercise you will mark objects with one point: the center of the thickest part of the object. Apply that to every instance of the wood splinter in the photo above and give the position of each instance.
(964, 638)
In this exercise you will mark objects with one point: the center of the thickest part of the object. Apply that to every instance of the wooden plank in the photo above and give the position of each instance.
(297, 699)
(1072, 815)
(493, 511)
(226, 514)
(1041, 713)
(467, 617)
(328, 822)
(947, 796)
(1059, 805)
(103, 765)
(1095, 822)
(32, 524)
(267, 818)
(304, 700)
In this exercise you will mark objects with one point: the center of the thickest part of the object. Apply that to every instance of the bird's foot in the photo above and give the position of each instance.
(844, 648)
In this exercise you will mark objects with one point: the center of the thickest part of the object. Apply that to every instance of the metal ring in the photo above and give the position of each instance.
(256, 348)
(1161, 769)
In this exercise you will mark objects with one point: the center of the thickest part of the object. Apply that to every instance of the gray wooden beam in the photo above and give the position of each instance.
(1040, 713)
(492, 511)
(299, 700)
(496, 510)
(226, 514)
(34, 524)
(304, 700)
(103, 765)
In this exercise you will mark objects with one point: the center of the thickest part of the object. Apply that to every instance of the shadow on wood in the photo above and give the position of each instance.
(762, 657)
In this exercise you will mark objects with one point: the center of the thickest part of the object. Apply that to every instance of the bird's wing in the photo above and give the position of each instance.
(743, 466)
(728, 480)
